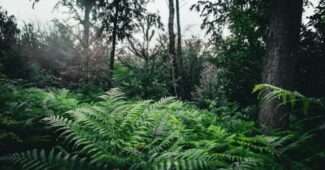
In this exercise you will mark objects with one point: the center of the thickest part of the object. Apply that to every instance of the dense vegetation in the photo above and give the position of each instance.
(100, 96)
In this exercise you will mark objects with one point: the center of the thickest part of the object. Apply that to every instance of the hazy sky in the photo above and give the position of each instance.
(43, 13)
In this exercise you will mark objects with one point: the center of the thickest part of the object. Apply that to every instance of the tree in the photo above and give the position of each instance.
(118, 17)
(171, 45)
(86, 6)
(8, 27)
(111, 63)
(179, 54)
(215, 15)
(11, 60)
(279, 63)
(144, 73)
(74, 6)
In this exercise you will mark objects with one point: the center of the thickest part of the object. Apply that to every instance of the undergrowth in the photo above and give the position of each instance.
(115, 133)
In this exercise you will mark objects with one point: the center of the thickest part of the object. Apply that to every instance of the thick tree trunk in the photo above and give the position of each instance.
(282, 45)
(171, 46)
(179, 51)
(114, 36)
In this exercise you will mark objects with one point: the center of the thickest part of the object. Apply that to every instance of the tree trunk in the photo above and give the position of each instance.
(111, 63)
(88, 6)
(86, 25)
(279, 63)
(179, 52)
(171, 46)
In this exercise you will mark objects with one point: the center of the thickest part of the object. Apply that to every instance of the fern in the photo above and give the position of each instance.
(40, 160)
(269, 93)
(166, 134)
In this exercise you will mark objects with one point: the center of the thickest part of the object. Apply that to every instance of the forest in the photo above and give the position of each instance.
(115, 87)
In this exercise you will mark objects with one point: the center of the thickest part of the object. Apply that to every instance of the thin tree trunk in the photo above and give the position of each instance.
(179, 55)
(86, 25)
(171, 46)
(88, 6)
(111, 63)
(279, 64)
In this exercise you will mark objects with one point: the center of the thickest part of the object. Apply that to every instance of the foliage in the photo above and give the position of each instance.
(21, 108)
(137, 132)
(209, 88)
(219, 10)
(305, 129)
(238, 55)
(74, 7)
(160, 135)
(10, 55)
(235, 118)
(53, 160)
(218, 14)
(39, 76)
(146, 69)
(8, 26)
(269, 93)
(310, 75)
(57, 58)
(194, 55)
(140, 81)
(143, 71)
(127, 14)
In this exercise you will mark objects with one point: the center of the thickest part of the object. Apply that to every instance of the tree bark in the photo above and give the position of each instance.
(88, 6)
(279, 62)
(114, 36)
(179, 54)
(171, 46)
(86, 25)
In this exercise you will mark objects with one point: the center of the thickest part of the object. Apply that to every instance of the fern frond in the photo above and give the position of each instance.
(161, 102)
(114, 93)
(270, 93)
(41, 160)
